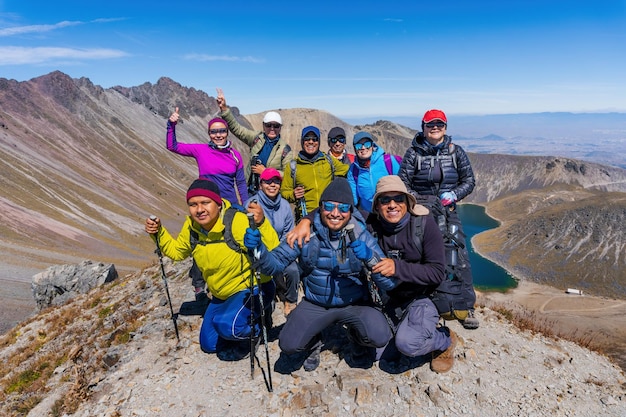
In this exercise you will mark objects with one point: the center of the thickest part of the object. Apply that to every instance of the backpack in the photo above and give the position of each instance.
(448, 296)
(388, 165)
(228, 237)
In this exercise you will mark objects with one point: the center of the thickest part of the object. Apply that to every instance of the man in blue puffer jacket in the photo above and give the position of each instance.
(334, 288)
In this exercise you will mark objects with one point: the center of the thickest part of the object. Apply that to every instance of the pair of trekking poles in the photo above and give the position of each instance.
(255, 275)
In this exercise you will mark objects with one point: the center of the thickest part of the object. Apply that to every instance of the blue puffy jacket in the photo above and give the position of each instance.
(327, 280)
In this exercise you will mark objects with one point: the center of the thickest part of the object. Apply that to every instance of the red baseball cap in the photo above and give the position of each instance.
(434, 114)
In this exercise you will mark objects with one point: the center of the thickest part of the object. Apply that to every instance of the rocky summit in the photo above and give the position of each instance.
(114, 352)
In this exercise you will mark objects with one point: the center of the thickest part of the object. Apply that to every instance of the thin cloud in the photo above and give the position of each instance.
(204, 58)
(16, 55)
(389, 19)
(20, 30)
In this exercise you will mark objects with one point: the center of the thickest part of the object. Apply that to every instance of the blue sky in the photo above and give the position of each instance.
(353, 59)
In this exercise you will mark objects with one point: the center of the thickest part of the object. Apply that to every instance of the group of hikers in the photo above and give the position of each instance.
(369, 241)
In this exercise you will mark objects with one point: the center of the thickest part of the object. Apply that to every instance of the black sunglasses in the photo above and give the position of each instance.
(386, 199)
(338, 139)
(216, 131)
(272, 181)
(313, 138)
(430, 125)
(272, 125)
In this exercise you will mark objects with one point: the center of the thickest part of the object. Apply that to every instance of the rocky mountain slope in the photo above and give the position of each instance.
(82, 166)
(113, 352)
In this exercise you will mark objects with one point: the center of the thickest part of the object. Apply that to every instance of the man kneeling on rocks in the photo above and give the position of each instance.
(418, 265)
(226, 325)
(334, 291)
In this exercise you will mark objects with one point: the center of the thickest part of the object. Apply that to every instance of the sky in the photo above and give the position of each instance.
(352, 59)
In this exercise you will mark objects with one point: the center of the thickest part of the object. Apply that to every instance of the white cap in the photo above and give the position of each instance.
(272, 116)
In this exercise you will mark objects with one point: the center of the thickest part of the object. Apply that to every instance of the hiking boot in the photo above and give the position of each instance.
(313, 360)
(361, 356)
(202, 297)
(471, 322)
(288, 307)
(443, 361)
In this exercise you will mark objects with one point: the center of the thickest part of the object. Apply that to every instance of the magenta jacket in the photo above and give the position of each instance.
(222, 166)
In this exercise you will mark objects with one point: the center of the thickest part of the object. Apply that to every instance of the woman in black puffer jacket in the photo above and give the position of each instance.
(434, 166)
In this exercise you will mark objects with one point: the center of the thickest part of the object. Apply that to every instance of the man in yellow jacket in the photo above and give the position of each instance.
(308, 175)
(226, 270)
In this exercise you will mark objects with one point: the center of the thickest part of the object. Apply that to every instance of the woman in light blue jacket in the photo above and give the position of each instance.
(370, 164)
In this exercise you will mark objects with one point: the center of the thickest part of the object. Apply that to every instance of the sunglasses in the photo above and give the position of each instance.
(366, 145)
(338, 139)
(313, 138)
(216, 131)
(271, 181)
(342, 207)
(272, 125)
(386, 199)
(430, 125)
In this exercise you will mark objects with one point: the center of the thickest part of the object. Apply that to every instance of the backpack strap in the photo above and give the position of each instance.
(332, 166)
(417, 223)
(286, 151)
(389, 163)
(293, 164)
(452, 153)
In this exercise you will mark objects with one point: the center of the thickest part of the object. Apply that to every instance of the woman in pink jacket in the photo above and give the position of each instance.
(217, 160)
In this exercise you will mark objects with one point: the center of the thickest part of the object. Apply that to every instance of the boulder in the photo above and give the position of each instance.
(59, 283)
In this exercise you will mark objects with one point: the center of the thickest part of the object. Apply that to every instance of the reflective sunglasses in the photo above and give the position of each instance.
(313, 138)
(342, 207)
(386, 199)
(366, 145)
(216, 131)
(338, 139)
(274, 180)
(272, 125)
(430, 125)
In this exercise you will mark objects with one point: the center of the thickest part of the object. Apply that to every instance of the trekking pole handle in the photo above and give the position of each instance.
(350, 229)
(251, 221)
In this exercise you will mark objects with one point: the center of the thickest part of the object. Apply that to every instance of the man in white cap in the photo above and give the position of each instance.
(267, 148)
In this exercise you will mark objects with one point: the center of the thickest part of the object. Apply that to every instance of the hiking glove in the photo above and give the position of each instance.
(448, 198)
(252, 239)
(361, 250)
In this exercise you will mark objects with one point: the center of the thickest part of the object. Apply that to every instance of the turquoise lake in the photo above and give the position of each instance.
(487, 275)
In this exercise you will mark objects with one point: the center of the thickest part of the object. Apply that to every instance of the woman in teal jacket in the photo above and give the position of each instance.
(370, 164)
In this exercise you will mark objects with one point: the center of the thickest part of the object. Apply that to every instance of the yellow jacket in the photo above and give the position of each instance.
(225, 271)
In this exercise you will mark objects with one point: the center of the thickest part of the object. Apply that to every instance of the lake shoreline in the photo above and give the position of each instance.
(580, 318)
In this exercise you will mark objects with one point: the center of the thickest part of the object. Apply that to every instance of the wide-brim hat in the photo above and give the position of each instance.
(393, 183)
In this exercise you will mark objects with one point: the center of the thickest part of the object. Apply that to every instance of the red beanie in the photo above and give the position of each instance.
(205, 188)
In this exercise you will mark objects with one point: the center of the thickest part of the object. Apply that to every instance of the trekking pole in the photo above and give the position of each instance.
(257, 276)
(167, 290)
(371, 285)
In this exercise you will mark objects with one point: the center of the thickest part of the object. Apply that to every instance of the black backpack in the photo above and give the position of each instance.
(448, 296)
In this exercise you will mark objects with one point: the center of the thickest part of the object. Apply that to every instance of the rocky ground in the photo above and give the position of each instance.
(499, 370)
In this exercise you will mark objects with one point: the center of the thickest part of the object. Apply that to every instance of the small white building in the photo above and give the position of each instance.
(574, 291)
